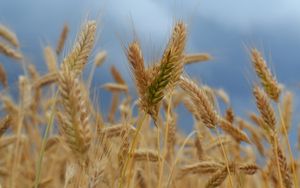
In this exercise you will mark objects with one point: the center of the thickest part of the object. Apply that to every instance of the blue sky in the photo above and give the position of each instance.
(225, 29)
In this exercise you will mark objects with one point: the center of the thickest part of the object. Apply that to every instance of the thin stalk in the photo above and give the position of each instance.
(223, 150)
(275, 142)
(165, 141)
(159, 152)
(45, 137)
(289, 147)
(131, 149)
(91, 76)
(177, 157)
(225, 157)
(16, 156)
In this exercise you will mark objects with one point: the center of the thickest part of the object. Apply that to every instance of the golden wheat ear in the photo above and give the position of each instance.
(62, 39)
(117, 75)
(3, 77)
(136, 61)
(267, 80)
(9, 52)
(141, 75)
(50, 59)
(195, 58)
(4, 124)
(217, 179)
(265, 109)
(248, 169)
(284, 169)
(100, 58)
(78, 57)
(145, 155)
(75, 125)
(167, 73)
(203, 167)
(235, 132)
(203, 107)
(9, 36)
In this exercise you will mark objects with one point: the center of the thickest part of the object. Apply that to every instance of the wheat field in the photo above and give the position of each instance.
(54, 134)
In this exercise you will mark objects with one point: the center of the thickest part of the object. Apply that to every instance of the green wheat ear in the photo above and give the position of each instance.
(169, 71)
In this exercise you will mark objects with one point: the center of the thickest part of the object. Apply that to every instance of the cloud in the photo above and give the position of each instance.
(241, 15)
(146, 16)
(249, 13)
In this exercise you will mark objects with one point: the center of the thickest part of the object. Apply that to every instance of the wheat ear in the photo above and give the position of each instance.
(62, 39)
(285, 171)
(204, 108)
(267, 80)
(248, 169)
(203, 167)
(194, 58)
(217, 179)
(3, 77)
(235, 132)
(9, 36)
(136, 61)
(265, 109)
(75, 126)
(169, 71)
(4, 124)
(78, 57)
(9, 52)
(50, 59)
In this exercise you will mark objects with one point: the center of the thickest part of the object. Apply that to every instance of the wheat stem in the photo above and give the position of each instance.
(132, 149)
(289, 147)
(225, 156)
(91, 76)
(275, 143)
(16, 153)
(159, 152)
(45, 138)
(165, 140)
(177, 157)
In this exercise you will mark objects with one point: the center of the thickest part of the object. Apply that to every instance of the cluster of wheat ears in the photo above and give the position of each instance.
(53, 135)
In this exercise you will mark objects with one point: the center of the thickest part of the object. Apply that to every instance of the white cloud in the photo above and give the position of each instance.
(242, 14)
(147, 16)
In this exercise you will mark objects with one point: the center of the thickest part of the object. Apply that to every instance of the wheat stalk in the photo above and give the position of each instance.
(287, 111)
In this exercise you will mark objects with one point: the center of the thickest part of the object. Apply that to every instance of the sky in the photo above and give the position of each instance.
(225, 29)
